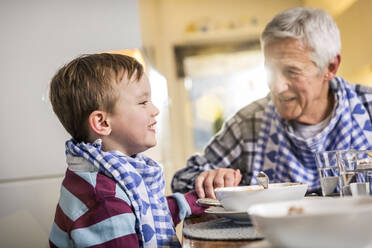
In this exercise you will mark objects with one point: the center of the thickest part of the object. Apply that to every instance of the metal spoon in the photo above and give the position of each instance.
(263, 179)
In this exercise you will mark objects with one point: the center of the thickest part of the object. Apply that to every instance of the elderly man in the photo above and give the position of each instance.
(308, 110)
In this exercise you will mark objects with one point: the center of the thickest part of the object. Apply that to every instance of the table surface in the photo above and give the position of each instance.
(190, 242)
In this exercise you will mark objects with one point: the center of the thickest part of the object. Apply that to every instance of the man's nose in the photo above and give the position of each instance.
(278, 83)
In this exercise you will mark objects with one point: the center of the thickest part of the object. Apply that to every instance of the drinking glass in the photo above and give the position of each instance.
(356, 172)
(329, 172)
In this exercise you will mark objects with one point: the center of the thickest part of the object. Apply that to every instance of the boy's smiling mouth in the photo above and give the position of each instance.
(152, 126)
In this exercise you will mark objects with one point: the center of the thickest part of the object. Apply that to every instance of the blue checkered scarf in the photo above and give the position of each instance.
(288, 158)
(143, 181)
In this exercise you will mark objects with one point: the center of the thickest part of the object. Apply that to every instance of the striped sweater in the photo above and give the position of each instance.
(94, 211)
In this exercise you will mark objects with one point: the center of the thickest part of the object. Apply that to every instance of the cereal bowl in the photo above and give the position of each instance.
(316, 222)
(240, 198)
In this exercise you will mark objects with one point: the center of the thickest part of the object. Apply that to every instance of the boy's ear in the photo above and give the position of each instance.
(98, 123)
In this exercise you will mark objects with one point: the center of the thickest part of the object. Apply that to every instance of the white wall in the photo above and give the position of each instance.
(36, 38)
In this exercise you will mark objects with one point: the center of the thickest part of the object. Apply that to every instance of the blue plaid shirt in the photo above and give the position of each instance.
(236, 144)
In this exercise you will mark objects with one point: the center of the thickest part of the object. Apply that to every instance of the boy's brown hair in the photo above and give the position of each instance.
(87, 84)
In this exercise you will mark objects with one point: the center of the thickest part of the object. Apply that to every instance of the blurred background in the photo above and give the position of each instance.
(204, 62)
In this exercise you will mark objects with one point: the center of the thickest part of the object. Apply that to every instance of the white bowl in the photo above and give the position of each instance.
(320, 222)
(240, 198)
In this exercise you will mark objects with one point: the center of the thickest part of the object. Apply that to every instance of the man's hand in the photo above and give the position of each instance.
(207, 181)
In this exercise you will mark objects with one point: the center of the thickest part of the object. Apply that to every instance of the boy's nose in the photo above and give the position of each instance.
(156, 111)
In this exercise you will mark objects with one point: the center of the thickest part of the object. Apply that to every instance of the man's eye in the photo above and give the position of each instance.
(292, 73)
(144, 102)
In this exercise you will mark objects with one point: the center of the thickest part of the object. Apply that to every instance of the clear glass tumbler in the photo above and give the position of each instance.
(329, 172)
(356, 172)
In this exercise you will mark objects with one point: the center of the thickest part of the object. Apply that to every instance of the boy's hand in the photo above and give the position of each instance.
(207, 181)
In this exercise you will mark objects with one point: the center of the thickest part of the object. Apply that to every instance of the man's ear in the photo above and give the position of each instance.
(98, 123)
(333, 68)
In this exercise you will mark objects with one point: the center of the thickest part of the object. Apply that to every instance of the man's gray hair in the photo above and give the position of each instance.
(314, 26)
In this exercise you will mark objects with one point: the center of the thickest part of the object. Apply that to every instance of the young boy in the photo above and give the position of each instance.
(111, 196)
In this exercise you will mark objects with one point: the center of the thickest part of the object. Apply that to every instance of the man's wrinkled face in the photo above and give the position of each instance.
(299, 90)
